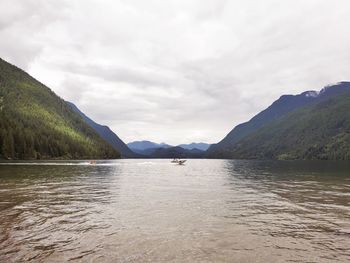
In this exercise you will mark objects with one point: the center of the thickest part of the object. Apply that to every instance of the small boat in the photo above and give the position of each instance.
(178, 161)
(92, 162)
(181, 162)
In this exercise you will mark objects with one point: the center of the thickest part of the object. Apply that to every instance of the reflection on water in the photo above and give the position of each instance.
(152, 210)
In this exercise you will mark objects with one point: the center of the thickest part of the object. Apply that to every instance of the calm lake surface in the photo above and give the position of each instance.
(156, 211)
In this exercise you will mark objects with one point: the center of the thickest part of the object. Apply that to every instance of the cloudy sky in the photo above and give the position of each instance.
(177, 70)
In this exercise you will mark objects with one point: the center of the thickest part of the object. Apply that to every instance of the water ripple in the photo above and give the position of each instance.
(152, 210)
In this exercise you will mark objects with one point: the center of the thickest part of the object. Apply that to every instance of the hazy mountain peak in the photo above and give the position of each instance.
(144, 144)
(311, 93)
(335, 87)
(200, 146)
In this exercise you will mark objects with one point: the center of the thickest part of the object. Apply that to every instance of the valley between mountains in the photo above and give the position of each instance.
(37, 124)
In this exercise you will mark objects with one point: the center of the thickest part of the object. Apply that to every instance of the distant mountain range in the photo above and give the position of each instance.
(107, 134)
(163, 150)
(200, 146)
(37, 124)
(311, 125)
(144, 145)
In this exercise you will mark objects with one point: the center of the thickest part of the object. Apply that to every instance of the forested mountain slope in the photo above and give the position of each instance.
(280, 107)
(36, 124)
(107, 134)
(319, 129)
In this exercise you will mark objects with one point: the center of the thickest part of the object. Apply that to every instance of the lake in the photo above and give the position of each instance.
(156, 211)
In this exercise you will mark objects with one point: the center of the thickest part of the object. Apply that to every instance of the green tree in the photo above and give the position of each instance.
(8, 150)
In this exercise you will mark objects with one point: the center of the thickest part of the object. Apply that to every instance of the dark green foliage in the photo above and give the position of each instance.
(317, 131)
(36, 124)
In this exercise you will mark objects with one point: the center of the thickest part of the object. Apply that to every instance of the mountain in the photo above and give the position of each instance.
(139, 146)
(107, 134)
(200, 146)
(312, 125)
(176, 152)
(280, 107)
(159, 150)
(37, 124)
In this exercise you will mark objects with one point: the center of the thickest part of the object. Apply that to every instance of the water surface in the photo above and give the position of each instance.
(156, 211)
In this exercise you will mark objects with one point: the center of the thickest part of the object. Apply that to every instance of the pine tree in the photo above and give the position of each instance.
(8, 149)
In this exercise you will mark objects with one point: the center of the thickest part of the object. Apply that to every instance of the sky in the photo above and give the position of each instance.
(177, 71)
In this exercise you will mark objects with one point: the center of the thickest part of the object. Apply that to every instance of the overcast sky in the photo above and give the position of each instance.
(177, 71)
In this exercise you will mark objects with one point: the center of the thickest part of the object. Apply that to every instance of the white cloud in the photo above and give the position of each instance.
(177, 70)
